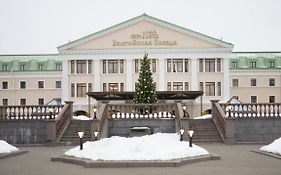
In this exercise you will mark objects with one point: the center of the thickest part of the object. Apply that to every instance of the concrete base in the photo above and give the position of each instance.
(141, 163)
(15, 153)
(267, 153)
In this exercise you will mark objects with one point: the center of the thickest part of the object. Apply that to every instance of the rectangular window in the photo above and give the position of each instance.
(58, 84)
(112, 66)
(153, 65)
(121, 66)
(253, 64)
(22, 101)
(81, 66)
(5, 85)
(122, 87)
(5, 67)
(271, 99)
(254, 99)
(5, 102)
(201, 66)
(89, 66)
(58, 66)
(185, 65)
(40, 84)
(168, 65)
(177, 65)
(136, 66)
(177, 86)
(219, 88)
(201, 86)
(186, 86)
(81, 90)
(234, 64)
(113, 87)
(104, 87)
(89, 87)
(41, 67)
(104, 66)
(22, 84)
(235, 82)
(253, 82)
(271, 81)
(169, 86)
(218, 65)
(23, 67)
(209, 65)
(72, 66)
(271, 64)
(41, 101)
(210, 88)
(72, 90)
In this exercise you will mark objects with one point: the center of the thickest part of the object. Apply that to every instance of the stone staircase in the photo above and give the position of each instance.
(205, 131)
(70, 136)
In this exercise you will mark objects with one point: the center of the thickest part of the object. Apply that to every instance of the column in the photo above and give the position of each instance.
(226, 81)
(194, 74)
(65, 87)
(129, 75)
(162, 71)
(96, 83)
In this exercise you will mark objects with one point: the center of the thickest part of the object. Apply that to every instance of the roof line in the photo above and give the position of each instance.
(258, 52)
(29, 54)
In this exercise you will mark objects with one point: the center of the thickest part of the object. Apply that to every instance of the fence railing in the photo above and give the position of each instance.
(218, 116)
(63, 119)
(252, 109)
(30, 112)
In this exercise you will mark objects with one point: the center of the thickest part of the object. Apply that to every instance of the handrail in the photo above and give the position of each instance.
(179, 114)
(102, 116)
(219, 119)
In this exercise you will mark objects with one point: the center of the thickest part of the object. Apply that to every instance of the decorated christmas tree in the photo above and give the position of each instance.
(145, 87)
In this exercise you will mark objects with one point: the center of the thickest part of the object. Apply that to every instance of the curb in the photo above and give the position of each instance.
(12, 154)
(126, 164)
(267, 154)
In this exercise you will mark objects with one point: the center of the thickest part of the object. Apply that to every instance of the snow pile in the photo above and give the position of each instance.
(274, 147)
(6, 148)
(81, 117)
(207, 116)
(158, 146)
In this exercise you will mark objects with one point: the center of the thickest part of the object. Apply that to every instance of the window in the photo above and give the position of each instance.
(112, 66)
(253, 82)
(113, 87)
(40, 66)
(153, 65)
(22, 84)
(89, 87)
(136, 66)
(201, 65)
(58, 66)
(177, 65)
(235, 82)
(219, 88)
(40, 84)
(168, 65)
(254, 99)
(210, 65)
(81, 90)
(253, 64)
(210, 88)
(186, 86)
(234, 64)
(169, 86)
(72, 67)
(186, 65)
(4, 85)
(122, 87)
(81, 66)
(201, 86)
(177, 86)
(5, 102)
(89, 66)
(104, 66)
(58, 84)
(218, 65)
(23, 67)
(72, 90)
(41, 101)
(271, 64)
(271, 99)
(22, 101)
(104, 87)
(5, 67)
(271, 81)
(121, 66)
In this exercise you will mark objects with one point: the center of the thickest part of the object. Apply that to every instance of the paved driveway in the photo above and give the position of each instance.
(235, 160)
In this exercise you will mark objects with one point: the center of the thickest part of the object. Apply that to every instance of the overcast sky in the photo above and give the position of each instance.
(40, 26)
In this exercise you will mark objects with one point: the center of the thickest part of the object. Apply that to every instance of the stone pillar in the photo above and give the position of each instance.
(96, 83)
(161, 86)
(129, 75)
(65, 87)
(194, 73)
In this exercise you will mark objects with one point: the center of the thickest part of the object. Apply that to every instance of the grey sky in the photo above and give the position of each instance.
(40, 26)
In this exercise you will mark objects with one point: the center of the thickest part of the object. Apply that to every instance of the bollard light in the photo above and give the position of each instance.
(96, 133)
(181, 134)
(95, 112)
(81, 135)
(184, 108)
(190, 133)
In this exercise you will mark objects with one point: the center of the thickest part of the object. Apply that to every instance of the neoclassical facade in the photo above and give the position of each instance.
(109, 60)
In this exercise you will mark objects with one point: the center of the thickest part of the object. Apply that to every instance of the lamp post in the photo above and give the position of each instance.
(95, 110)
(184, 108)
(81, 135)
(190, 133)
(181, 133)
(96, 133)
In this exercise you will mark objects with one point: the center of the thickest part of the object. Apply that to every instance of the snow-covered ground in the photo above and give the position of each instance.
(6, 148)
(81, 117)
(274, 147)
(207, 116)
(158, 146)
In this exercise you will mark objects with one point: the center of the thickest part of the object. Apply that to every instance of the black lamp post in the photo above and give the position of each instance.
(96, 133)
(95, 111)
(184, 108)
(181, 133)
(190, 133)
(81, 135)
